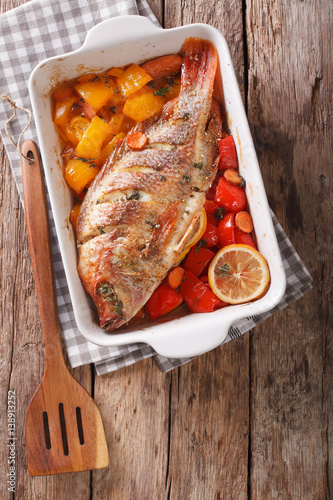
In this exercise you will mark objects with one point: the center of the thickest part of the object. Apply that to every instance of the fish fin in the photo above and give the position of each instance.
(163, 230)
(190, 233)
(199, 65)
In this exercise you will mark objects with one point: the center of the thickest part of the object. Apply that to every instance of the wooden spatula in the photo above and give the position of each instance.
(63, 426)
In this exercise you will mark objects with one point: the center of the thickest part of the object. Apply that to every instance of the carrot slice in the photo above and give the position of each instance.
(175, 277)
(244, 222)
(63, 93)
(137, 140)
(163, 66)
(232, 176)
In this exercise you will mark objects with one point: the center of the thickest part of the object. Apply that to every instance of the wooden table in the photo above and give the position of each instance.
(252, 419)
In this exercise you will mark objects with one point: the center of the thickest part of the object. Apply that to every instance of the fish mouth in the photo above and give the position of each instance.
(110, 324)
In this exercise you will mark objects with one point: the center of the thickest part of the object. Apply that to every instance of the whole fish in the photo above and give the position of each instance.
(144, 206)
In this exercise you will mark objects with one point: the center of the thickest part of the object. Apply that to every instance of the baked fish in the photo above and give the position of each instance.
(144, 206)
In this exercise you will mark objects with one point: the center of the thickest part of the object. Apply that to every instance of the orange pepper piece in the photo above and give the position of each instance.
(76, 129)
(116, 72)
(108, 149)
(91, 143)
(142, 105)
(62, 110)
(133, 79)
(74, 214)
(79, 174)
(96, 93)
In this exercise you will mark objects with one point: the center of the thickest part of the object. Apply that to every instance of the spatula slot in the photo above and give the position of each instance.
(79, 424)
(63, 428)
(46, 430)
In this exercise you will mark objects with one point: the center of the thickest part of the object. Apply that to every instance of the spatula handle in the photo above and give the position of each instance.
(36, 214)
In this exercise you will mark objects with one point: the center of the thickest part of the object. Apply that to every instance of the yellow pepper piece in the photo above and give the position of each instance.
(96, 93)
(90, 145)
(79, 174)
(88, 77)
(133, 79)
(143, 105)
(62, 110)
(115, 124)
(76, 129)
(105, 153)
(116, 72)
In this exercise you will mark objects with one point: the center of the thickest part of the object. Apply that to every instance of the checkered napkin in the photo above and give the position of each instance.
(45, 28)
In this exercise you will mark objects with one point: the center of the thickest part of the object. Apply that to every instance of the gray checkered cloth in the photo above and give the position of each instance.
(45, 28)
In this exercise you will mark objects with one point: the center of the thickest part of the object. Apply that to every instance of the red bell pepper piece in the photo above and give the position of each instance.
(226, 230)
(198, 258)
(232, 197)
(210, 206)
(228, 153)
(197, 295)
(244, 238)
(212, 219)
(163, 300)
(210, 236)
(210, 195)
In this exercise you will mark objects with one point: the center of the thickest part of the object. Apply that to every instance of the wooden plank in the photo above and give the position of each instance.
(209, 425)
(290, 53)
(134, 403)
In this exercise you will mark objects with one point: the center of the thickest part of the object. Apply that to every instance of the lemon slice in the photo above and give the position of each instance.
(195, 232)
(238, 274)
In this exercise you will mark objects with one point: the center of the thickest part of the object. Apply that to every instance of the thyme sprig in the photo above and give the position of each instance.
(222, 271)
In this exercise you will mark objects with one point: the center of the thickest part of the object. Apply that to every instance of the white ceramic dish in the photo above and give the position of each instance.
(117, 42)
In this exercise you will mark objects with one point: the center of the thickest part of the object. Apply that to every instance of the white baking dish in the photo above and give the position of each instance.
(117, 42)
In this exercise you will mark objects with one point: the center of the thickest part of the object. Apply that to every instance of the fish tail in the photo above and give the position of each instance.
(198, 66)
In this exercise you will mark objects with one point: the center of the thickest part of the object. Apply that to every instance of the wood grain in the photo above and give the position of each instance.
(252, 419)
(290, 53)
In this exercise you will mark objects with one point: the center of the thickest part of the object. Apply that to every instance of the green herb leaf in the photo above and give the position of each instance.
(243, 181)
(76, 105)
(105, 290)
(195, 303)
(91, 161)
(219, 213)
(222, 271)
(151, 224)
(198, 165)
(170, 81)
(186, 115)
(162, 91)
(201, 243)
(113, 109)
(134, 196)
(101, 230)
(186, 178)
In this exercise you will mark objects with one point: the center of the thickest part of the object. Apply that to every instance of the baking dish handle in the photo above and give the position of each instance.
(195, 340)
(112, 30)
